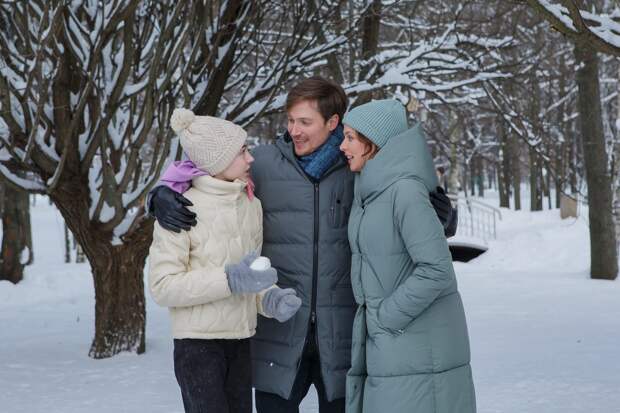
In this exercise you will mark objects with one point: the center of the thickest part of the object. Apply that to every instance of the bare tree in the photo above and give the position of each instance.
(86, 91)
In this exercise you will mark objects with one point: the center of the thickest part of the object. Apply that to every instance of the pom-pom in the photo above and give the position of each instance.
(181, 119)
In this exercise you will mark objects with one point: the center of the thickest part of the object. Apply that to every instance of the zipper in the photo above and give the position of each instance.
(315, 262)
(315, 276)
(315, 271)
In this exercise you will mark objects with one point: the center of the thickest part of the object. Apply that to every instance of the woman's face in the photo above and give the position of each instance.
(239, 168)
(354, 149)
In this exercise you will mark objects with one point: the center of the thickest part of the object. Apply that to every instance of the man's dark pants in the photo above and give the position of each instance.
(309, 373)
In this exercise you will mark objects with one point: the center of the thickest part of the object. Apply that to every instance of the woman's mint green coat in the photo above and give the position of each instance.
(410, 349)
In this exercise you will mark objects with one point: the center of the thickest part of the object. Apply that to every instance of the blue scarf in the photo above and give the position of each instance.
(324, 157)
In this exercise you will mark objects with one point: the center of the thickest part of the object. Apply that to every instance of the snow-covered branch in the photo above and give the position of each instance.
(598, 30)
(84, 87)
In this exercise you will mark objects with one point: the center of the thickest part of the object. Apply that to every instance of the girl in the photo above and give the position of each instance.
(410, 344)
(206, 277)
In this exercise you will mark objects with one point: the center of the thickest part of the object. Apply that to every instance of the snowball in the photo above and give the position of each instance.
(260, 264)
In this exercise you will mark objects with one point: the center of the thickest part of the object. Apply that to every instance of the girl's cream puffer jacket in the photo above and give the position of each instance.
(187, 269)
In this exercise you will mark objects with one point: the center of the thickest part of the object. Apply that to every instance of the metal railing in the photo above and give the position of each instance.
(476, 218)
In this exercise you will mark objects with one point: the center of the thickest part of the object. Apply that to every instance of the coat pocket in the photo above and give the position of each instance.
(340, 205)
(356, 377)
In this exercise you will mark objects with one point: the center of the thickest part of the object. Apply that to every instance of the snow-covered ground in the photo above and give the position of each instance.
(545, 338)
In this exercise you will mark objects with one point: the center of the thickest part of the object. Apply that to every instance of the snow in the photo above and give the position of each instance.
(107, 212)
(560, 12)
(24, 257)
(30, 184)
(39, 137)
(544, 336)
(132, 89)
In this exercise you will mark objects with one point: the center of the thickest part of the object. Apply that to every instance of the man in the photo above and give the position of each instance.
(306, 190)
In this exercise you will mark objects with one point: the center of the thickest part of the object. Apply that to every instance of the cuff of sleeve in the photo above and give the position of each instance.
(219, 288)
(147, 204)
(259, 301)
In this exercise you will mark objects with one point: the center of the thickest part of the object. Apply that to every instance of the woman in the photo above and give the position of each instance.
(410, 344)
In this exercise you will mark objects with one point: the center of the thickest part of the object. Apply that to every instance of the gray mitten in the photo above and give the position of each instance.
(242, 279)
(281, 304)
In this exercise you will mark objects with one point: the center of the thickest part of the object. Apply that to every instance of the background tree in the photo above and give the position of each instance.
(591, 33)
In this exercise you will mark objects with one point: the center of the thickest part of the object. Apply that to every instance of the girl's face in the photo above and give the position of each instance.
(239, 168)
(356, 151)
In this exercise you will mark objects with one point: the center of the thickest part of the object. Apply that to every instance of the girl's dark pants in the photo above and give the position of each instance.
(215, 376)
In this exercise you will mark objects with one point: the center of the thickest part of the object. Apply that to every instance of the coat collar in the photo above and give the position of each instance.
(285, 144)
(213, 186)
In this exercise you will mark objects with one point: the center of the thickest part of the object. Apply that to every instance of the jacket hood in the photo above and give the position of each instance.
(405, 156)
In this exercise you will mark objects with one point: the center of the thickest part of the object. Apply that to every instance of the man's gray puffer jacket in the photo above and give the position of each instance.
(305, 236)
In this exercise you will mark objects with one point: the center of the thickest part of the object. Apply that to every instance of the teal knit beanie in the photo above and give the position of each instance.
(378, 120)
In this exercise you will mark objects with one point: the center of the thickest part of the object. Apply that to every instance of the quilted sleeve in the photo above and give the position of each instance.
(171, 282)
(426, 244)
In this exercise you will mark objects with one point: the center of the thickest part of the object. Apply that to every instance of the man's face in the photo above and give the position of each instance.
(308, 128)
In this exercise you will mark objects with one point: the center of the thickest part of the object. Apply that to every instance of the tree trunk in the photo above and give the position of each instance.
(617, 168)
(120, 316)
(480, 176)
(604, 254)
(472, 175)
(573, 167)
(547, 180)
(536, 195)
(16, 234)
(67, 244)
(464, 179)
(562, 156)
(118, 274)
(371, 24)
(503, 176)
(515, 161)
(504, 200)
(559, 173)
(79, 252)
(333, 66)
(454, 172)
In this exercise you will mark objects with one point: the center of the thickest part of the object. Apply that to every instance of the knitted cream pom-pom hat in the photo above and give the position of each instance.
(211, 143)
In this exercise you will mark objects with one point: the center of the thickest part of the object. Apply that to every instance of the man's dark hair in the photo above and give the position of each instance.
(329, 95)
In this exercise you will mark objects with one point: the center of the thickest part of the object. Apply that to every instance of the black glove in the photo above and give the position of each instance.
(169, 208)
(447, 215)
